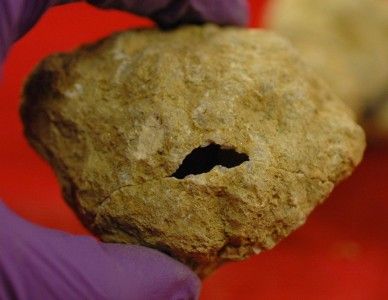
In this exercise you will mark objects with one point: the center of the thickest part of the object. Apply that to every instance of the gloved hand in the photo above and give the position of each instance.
(169, 13)
(39, 263)
(18, 16)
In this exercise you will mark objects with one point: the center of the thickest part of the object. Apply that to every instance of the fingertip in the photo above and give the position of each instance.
(189, 288)
(185, 284)
(150, 274)
(233, 12)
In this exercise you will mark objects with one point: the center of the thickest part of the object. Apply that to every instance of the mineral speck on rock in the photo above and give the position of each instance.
(209, 144)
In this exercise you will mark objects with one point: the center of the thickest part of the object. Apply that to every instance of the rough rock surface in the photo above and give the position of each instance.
(126, 121)
(346, 43)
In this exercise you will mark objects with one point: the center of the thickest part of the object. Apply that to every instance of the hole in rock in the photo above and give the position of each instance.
(203, 159)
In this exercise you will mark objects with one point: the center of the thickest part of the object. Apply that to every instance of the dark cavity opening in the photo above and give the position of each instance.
(203, 159)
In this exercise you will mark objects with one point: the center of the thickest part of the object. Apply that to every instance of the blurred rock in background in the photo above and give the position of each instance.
(346, 42)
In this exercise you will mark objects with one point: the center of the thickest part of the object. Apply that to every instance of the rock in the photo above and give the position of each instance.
(345, 41)
(209, 144)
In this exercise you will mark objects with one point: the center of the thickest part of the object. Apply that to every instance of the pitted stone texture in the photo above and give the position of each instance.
(116, 120)
(345, 41)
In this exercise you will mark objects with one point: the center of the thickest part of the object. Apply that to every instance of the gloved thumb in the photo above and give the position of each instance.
(39, 263)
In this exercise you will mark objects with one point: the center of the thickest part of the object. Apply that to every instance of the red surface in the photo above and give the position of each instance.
(341, 253)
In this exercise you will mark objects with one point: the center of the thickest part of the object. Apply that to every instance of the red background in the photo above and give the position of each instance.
(341, 252)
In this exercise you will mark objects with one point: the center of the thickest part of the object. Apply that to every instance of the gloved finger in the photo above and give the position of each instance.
(231, 12)
(17, 17)
(168, 13)
(38, 263)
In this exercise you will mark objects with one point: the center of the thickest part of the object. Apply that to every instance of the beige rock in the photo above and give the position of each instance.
(346, 41)
(126, 121)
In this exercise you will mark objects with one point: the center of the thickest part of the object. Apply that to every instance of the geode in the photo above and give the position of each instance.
(346, 42)
(209, 144)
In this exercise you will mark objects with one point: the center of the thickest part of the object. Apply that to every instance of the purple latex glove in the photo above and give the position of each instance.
(18, 16)
(38, 263)
(168, 13)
